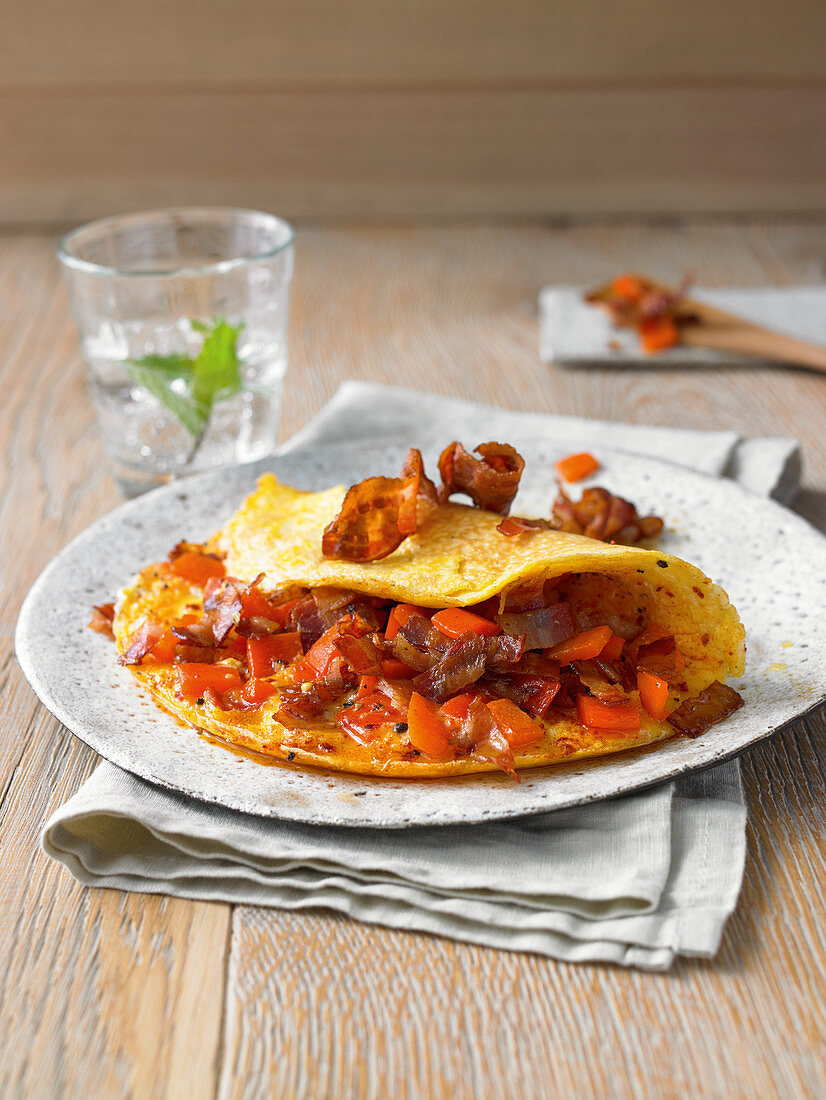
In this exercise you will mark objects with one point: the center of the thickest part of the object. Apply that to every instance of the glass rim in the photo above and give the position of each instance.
(219, 267)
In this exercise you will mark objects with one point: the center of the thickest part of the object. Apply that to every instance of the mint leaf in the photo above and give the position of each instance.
(157, 382)
(216, 372)
(213, 375)
(178, 365)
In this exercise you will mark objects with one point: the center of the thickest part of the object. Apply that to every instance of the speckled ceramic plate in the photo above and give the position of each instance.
(771, 562)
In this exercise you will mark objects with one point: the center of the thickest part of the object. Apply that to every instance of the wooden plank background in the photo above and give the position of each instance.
(106, 994)
(363, 107)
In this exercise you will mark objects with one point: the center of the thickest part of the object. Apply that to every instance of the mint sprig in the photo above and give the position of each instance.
(212, 376)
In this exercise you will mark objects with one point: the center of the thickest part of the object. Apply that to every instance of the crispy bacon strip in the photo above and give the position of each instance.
(601, 515)
(103, 615)
(491, 481)
(543, 628)
(694, 716)
(147, 635)
(490, 743)
(461, 665)
(519, 525)
(378, 514)
(414, 468)
(223, 608)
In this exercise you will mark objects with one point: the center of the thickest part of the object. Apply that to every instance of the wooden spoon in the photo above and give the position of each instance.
(721, 331)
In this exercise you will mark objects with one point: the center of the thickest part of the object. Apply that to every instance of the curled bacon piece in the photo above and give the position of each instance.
(490, 743)
(414, 468)
(601, 515)
(103, 615)
(503, 651)
(377, 514)
(694, 716)
(299, 708)
(223, 607)
(543, 627)
(147, 635)
(357, 649)
(491, 481)
(519, 525)
(461, 665)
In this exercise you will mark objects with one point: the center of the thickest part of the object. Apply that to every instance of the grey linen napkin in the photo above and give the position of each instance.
(634, 880)
(573, 333)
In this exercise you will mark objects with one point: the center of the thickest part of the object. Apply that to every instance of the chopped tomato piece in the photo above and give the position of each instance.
(425, 727)
(657, 333)
(197, 568)
(399, 615)
(517, 727)
(455, 621)
(255, 692)
(459, 705)
(604, 716)
(193, 678)
(264, 653)
(582, 647)
(396, 670)
(576, 467)
(612, 650)
(653, 694)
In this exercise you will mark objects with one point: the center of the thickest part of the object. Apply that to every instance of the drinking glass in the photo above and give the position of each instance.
(182, 316)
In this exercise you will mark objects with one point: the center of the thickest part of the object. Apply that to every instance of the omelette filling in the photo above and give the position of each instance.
(483, 682)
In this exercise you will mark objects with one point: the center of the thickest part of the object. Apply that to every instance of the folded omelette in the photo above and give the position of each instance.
(461, 651)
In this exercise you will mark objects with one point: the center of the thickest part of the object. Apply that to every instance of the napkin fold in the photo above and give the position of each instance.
(635, 880)
(574, 333)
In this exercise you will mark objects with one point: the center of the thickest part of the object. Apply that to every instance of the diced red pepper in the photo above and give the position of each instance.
(518, 728)
(396, 670)
(657, 333)
(576, 467)
(459, 705)
(322, 653)
(612, 650)
(653, 694)
(630, 287)
(367, 685)
(455, 621)
(604, 716)
(254, 602)
(425, 727)
(255, 692)
(582, 647)
(197, 568)
(164, 649)
(263, 654)
(193, 678)
(370, 710)
(281, 612)
(399, 614)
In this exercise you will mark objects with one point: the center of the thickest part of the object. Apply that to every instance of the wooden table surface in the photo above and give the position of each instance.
(112, 994)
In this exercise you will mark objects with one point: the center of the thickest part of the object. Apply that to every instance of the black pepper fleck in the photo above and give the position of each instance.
(662, 564)
(400, 727)
(291, 756)
(200, 702)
